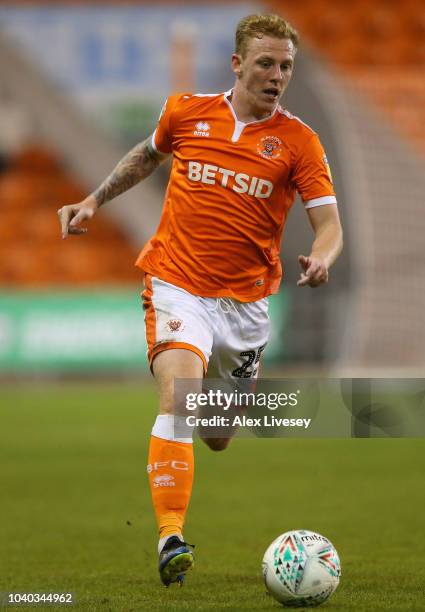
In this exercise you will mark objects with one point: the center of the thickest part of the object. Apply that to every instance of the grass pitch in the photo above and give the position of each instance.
(76, 514)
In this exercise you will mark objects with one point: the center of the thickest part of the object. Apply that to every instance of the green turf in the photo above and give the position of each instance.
(76, 515)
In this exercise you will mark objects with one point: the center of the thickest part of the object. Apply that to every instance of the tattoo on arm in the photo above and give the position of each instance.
(139, 163)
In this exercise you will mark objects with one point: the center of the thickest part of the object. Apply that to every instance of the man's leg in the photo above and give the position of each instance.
(240, 336)
(170, 462)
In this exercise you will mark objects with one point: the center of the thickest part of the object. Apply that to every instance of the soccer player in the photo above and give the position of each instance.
(238, 160)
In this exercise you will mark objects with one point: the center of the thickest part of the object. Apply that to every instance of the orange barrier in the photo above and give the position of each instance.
(378, 44)
(32, 253)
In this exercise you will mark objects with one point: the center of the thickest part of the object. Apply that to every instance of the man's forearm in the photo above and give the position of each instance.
(328, 244)
(138, 164)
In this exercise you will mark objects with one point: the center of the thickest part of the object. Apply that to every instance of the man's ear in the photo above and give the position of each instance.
(236, 64)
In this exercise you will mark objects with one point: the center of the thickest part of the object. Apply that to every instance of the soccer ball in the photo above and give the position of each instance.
(301, 569)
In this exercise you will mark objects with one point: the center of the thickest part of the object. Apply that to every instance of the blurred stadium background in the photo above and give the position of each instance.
(80, 84)
(83, 83)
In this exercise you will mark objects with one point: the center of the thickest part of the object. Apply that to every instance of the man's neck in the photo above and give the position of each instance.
(244, 108)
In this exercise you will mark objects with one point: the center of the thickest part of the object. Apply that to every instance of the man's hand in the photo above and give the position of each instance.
(139, 163)
(315, 271)
(71, 216)
(326, 247)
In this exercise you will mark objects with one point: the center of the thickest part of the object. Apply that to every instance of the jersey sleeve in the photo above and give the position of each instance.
(162, 136)
(312, 175)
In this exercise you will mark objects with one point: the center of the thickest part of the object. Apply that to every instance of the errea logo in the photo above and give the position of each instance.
(166, 480)
(202, 128)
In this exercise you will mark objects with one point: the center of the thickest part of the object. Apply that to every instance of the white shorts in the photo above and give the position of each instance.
(229, 336)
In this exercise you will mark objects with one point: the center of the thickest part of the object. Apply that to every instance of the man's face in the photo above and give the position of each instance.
(265, 71)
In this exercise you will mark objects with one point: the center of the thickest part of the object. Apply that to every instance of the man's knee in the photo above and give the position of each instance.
(173, 364)
(217, 444)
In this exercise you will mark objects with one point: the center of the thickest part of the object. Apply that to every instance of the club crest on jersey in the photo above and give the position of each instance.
(270, 147)
(174, 325)
(202, 128)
